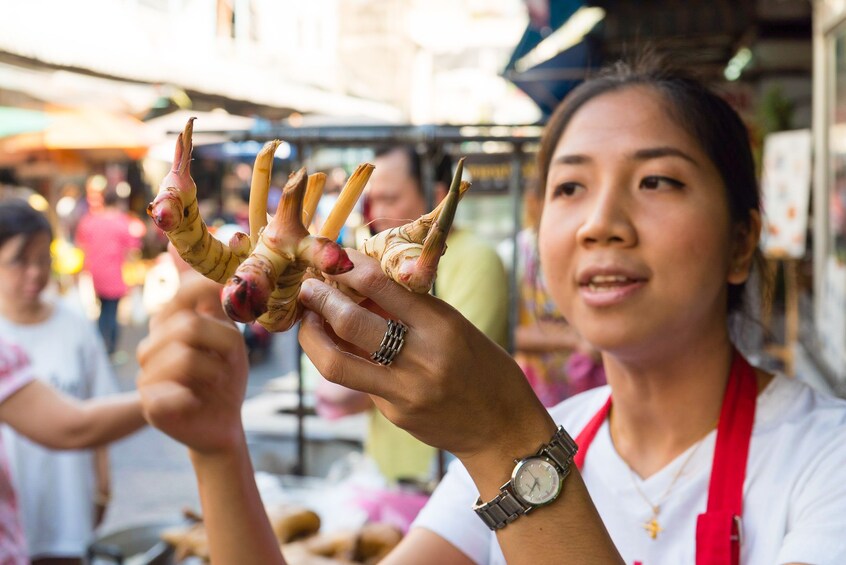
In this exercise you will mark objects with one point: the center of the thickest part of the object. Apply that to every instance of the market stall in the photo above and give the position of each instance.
(828, 335)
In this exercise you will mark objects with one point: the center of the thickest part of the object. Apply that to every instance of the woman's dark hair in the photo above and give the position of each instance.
(705, 116)
(17, 217)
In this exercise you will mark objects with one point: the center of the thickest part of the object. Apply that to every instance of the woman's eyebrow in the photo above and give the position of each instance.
(639, 155)
(658, 152)
(575, 159)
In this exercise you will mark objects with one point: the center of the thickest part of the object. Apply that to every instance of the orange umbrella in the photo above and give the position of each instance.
(85, 129)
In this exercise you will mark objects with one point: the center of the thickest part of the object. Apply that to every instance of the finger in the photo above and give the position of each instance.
(176, 362)
(350, 322)
(184, 328)
(368, 279)
(194, 331)
(339, 366)
(167, 401)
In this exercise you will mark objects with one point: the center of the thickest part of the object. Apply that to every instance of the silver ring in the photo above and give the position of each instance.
(391, 344)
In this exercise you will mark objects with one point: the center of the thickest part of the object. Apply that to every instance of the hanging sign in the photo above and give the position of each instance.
(786, 190)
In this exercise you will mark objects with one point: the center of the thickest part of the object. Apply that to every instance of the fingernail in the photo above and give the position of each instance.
(306, 290)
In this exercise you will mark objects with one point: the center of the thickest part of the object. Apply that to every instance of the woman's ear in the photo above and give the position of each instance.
(746, 236)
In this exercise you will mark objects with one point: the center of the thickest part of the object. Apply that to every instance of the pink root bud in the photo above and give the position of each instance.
(239, 243)
(166, 212)
(244, 300)
(333, 260)
(325, 255)
(416, 276)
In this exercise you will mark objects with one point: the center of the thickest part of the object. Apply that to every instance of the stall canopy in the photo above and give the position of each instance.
(216, 121)
(547, 83)
(551, 58)
(18, 120)
(84, 129)
(213, 133)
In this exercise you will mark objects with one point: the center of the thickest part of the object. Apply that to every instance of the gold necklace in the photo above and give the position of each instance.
(652, 526)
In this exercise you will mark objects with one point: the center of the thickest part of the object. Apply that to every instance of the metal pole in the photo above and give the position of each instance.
(427, 171)
(300, 467)
(515, 192)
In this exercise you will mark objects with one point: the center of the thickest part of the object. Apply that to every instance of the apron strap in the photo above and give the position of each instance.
(718, 530)
(585, 438)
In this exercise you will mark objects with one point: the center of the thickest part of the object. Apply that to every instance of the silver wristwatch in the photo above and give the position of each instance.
(535, 481)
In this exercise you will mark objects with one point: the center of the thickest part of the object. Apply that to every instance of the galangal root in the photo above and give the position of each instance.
(262, 271)
(297, 530)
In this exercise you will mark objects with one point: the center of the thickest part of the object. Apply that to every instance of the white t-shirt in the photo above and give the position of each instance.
(794, 504)
(56, 488)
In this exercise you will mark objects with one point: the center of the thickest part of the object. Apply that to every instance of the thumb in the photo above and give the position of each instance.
(167, 401)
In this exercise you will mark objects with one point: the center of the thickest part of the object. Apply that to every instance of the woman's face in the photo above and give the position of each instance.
(24, 270)
(635, 236)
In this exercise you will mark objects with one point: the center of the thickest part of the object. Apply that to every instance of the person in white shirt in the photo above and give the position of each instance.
(649, 233)
(62, 495)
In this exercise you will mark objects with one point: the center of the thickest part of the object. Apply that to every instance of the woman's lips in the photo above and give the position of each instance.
(609, 289)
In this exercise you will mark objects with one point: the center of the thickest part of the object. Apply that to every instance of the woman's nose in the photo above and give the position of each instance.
(608, 221)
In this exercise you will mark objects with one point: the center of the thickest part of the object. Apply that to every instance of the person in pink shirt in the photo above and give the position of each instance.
(53, 419)
(105, 236)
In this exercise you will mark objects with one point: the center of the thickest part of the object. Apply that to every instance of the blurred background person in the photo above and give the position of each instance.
(63, 495)
(556, 360)
(470, 278)
(106, 237)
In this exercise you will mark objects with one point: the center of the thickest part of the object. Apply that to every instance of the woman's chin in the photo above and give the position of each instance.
(28, 298)
(611, 338)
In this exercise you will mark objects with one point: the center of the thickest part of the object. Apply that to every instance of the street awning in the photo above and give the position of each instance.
(555, 53)
(18, 120)
(544, 18)
(550, 81)
(83, 129)
(215, 121)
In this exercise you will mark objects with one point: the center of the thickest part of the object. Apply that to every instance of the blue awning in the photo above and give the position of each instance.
(549, 81)
(18, 120)
(559, 11)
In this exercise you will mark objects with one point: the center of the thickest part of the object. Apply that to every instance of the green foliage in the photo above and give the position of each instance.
(775, 112)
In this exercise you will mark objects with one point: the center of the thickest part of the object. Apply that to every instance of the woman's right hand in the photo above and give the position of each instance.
(450, 386)
(194, 370)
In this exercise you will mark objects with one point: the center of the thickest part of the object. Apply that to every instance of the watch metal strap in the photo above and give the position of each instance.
(505, 507)
(501, 511)
(561, 450)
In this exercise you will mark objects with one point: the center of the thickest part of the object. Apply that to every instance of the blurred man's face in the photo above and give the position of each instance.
(394, 196)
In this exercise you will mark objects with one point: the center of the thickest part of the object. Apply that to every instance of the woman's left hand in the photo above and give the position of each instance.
(450, 386)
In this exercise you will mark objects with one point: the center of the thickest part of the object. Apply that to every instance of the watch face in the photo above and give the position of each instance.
(536, 481)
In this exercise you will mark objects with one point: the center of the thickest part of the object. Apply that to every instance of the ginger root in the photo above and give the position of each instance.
(296, 528)
(262, 271)
(175, 212)
(268, 281)
(410, 253)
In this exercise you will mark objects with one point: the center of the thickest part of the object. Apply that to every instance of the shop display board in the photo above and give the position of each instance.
(786, 190)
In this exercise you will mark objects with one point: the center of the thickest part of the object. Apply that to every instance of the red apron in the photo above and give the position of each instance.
(718, 534)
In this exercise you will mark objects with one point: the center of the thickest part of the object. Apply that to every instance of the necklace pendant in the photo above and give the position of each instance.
(652, 527)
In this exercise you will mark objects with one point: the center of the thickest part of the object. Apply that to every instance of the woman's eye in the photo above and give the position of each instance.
(655, 182)
(566, 189)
